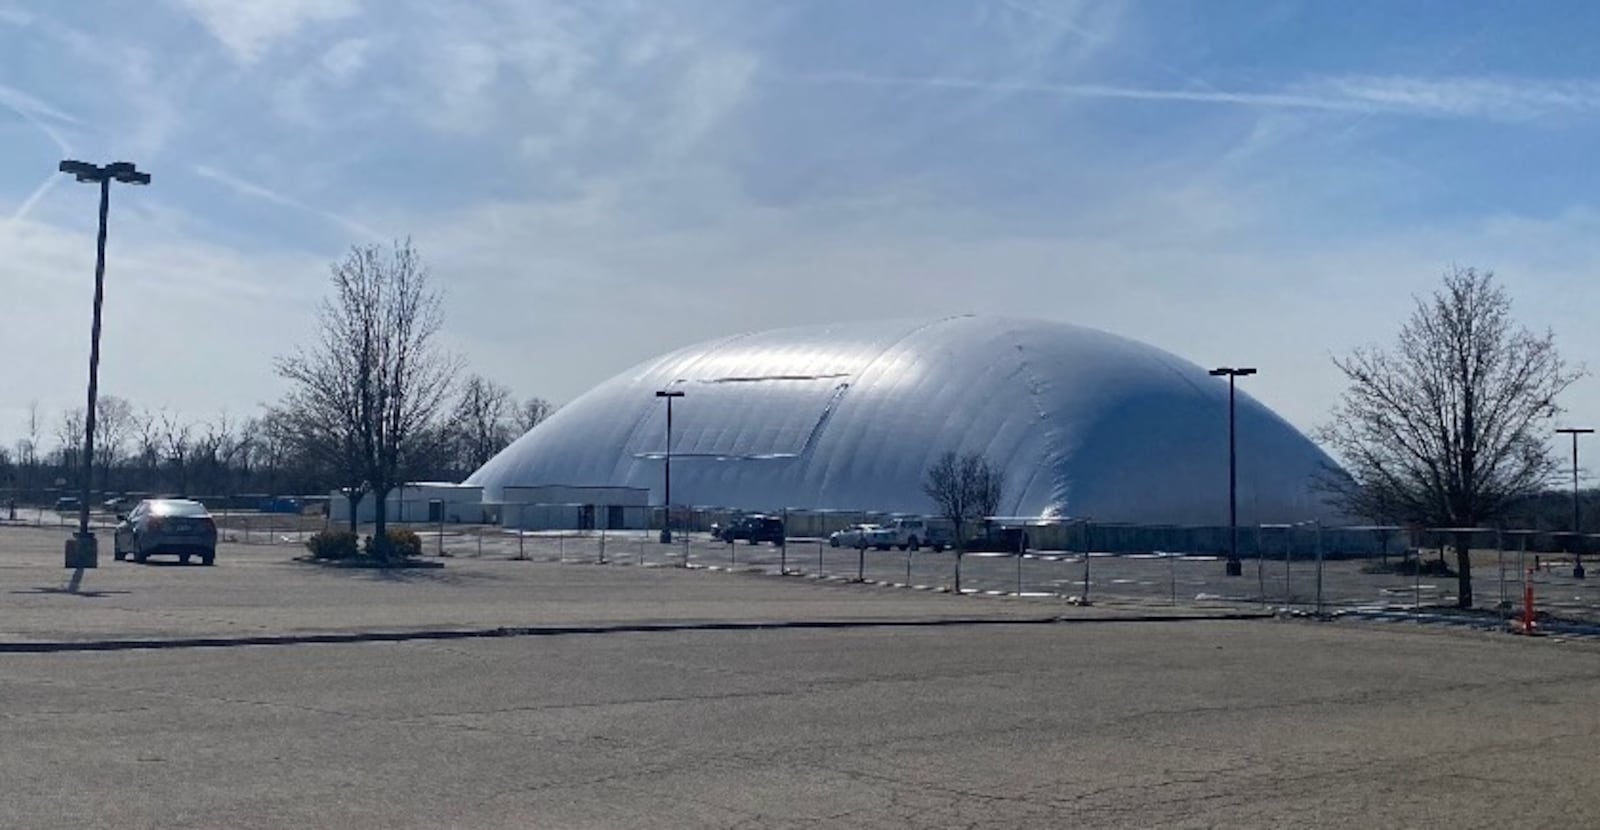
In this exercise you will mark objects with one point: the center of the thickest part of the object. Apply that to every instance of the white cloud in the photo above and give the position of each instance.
(347, 57)
(188, 325)
(249, 28)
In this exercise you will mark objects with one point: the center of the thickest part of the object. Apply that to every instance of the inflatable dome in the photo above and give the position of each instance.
(850, 416)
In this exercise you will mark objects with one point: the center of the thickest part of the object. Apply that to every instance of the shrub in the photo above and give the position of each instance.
(402, 544)
(333, 544)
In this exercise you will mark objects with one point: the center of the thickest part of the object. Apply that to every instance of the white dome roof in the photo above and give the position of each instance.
(850, 416)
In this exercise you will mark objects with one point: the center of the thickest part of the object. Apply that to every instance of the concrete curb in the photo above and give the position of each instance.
(160, 643)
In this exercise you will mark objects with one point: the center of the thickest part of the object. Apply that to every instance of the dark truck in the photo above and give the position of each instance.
(754, 529)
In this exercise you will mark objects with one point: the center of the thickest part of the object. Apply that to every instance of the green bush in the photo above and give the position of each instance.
(333, 544)
(403, 544)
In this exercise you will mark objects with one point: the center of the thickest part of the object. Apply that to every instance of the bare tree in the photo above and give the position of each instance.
(114, 422)
(372, 387)
(481, 425)
(1449, 428)
(531, 413)
(177, 442)
(147, 446)
(965, 489)
(69, 439)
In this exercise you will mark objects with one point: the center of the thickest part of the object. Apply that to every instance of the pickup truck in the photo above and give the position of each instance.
(911, 534)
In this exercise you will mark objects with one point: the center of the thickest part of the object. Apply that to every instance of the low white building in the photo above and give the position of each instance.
(417, 502)
(563, 507)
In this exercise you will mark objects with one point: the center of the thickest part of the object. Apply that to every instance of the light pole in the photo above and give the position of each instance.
(81, 551)
(1234, 567)
(1577, 529)
(666, 518)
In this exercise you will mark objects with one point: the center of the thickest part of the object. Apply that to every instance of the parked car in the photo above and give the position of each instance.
(754, 529)
(910, 534)
(852, 536)
(67, 504)
(178, 527)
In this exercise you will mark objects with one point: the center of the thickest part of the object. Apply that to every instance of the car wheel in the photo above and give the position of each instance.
(183, 558)
(938, 548)
(208, 558)
(116, 553)
(140, 556)
(916, 544)
(881, 547)
(902, 547)
(833, 542)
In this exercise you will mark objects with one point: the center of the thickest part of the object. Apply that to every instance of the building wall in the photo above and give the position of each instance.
(411, 504)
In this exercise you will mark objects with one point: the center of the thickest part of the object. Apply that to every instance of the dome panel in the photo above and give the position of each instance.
(850, 416)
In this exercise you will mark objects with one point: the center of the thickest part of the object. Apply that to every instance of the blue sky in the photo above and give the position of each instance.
(597, 181)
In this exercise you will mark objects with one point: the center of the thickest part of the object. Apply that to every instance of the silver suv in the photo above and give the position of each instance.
(181, 527)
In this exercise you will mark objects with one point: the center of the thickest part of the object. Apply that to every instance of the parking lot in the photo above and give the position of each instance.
(663, 697)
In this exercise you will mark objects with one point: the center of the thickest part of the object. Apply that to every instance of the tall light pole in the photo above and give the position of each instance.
(666, 518)
(81, 551)
(1577, 529)
(1234, 568)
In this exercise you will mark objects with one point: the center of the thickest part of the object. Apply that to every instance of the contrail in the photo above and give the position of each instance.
(1199, 96)
(256, 191)
(25, 106)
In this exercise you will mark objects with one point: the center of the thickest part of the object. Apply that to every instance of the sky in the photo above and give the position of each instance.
(594, 182)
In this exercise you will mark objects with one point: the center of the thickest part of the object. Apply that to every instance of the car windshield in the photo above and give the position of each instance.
(178, 508)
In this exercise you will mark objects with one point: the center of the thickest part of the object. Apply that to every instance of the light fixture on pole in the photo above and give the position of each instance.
(81, 550)
(1234, 567)
(1577, 529)
(666, 518)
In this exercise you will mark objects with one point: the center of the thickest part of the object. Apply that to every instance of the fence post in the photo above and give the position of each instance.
(1172, 577)
(561, 546)
(686, 550)
(1288, 569)
(1319, 567)
(641, 546)
(1416, 582)
(908, 566)
(522, 530)
(1022, 544)
(783, 546)
(1500, 562)
(602, 546)
(819, 558)
(861, 560)
(733, 555)
(1522, 562)
(1086, 548)
(1261, 567)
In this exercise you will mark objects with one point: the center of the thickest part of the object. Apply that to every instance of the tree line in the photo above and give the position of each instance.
(144, 450)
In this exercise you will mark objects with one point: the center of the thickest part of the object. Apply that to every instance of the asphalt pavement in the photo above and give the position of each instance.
(665, 697)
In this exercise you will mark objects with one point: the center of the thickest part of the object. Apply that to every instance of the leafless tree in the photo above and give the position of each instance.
(114, 422)
(531, 413)
(147, 444)
(481, 425)
(371, 389)
(28, 447)
(177, 444)
(965, 489)
(1449, 428)
(69, 439)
